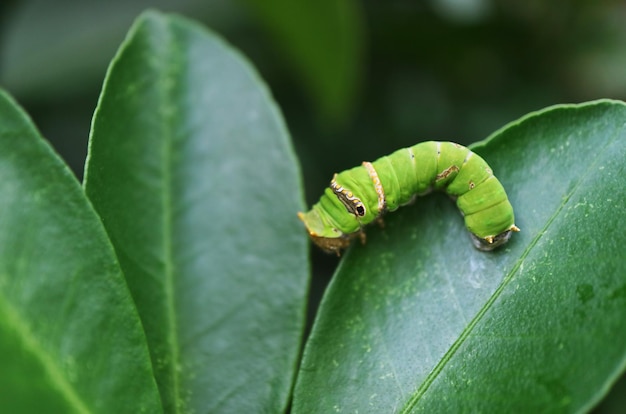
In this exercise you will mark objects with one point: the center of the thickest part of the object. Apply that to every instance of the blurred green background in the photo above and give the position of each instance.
(354, 79)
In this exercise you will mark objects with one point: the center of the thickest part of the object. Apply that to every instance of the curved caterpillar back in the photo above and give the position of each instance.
(358, 196)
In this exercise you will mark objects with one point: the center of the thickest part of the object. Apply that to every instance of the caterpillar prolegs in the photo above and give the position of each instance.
(358, 196)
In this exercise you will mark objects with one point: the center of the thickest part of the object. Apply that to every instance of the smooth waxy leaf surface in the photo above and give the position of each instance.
(418, 320)
(191, 170)
(70, 337)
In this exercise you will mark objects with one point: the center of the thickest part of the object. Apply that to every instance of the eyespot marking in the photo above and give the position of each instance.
(352, 203)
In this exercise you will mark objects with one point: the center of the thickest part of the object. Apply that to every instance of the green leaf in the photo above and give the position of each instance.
(70, 337)
(419, 321)
(322, 40)
(191, 169)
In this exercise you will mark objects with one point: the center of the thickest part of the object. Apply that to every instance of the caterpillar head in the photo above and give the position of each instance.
(328, 238)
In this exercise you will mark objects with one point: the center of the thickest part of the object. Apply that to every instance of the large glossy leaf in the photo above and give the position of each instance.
(191, 170)
(419, 321)
(70, 337)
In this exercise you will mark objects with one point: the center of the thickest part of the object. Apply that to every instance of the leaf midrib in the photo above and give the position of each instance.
(169, 112)
(30, 343)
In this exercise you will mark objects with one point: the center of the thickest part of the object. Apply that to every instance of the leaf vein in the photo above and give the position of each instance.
(31, 343)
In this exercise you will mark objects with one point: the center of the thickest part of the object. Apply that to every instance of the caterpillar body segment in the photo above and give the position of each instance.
(360, 195)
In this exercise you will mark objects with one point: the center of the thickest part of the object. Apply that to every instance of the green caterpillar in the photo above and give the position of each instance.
(358, 196)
